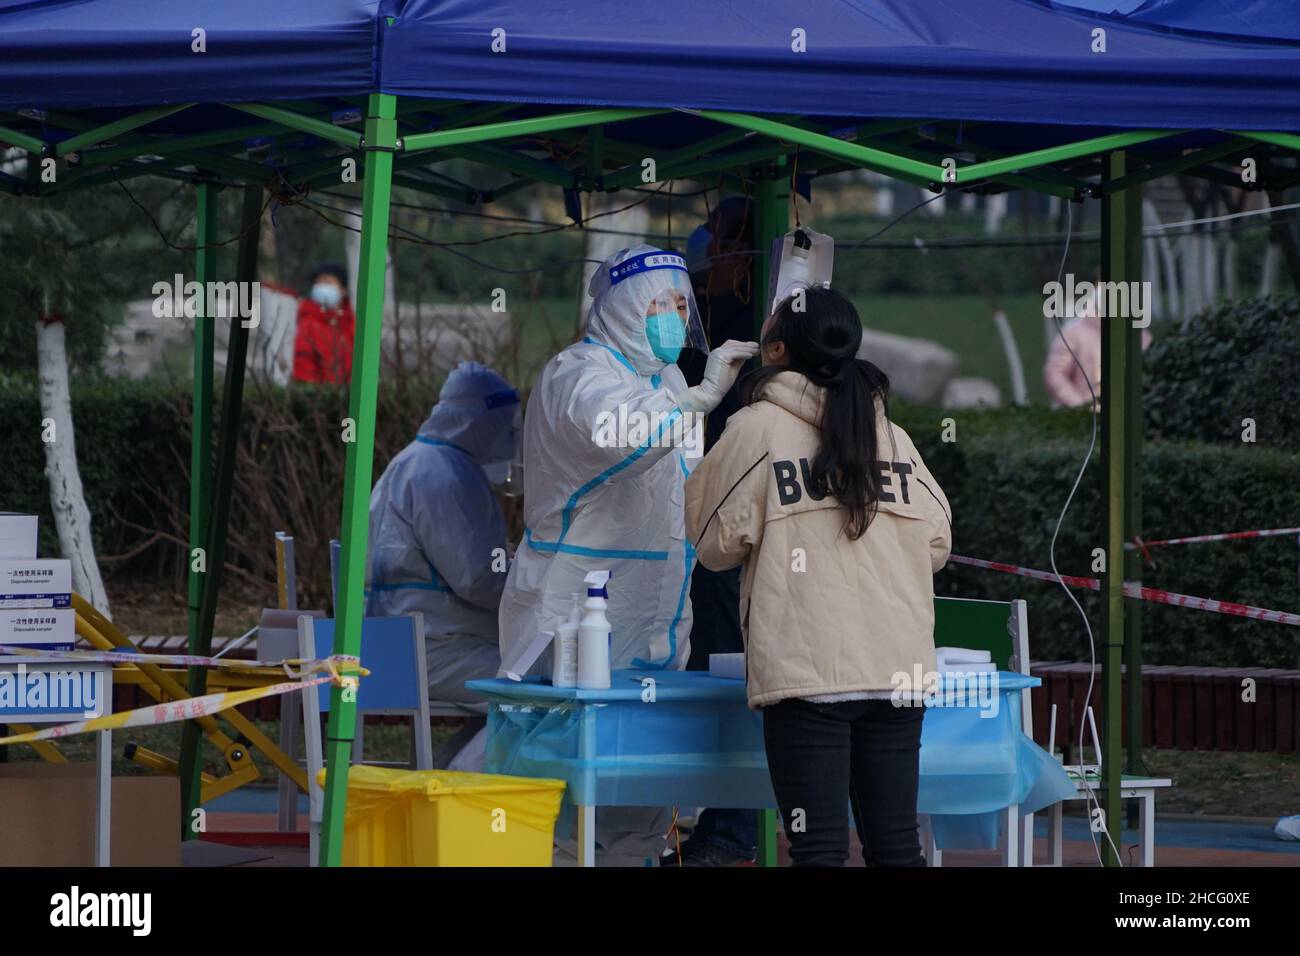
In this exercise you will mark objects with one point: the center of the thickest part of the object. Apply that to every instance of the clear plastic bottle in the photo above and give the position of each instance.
(564, 665)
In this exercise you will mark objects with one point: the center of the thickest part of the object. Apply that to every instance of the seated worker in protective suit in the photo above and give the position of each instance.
(610, 435)
(438, 535)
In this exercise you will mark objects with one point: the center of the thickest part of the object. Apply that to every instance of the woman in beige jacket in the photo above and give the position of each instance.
(838, 526)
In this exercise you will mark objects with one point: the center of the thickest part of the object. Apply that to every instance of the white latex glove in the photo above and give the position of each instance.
(720, 374)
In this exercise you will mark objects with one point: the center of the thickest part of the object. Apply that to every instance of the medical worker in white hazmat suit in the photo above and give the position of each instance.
(610, 434)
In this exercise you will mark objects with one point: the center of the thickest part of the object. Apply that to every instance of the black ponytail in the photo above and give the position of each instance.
(822, 342)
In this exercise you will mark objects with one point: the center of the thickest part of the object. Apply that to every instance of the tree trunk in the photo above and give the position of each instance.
(1268, 272)
(352, 247)
(67, 500)
(1282, 236)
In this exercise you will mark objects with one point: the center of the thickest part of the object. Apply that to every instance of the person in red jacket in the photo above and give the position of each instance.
(322, 347)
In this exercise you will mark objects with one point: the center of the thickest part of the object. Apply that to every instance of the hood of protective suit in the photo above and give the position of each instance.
(477, 410)
(618, 310)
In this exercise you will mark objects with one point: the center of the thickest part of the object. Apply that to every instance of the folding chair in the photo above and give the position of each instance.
(437, 708)
(392, 650)
(277, 639)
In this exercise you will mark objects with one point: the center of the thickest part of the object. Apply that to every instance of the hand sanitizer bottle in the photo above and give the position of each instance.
(594, 635)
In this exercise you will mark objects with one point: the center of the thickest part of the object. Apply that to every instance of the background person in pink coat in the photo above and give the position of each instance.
(1062, 377)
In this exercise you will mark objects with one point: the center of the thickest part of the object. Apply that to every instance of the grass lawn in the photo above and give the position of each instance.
(964, 324)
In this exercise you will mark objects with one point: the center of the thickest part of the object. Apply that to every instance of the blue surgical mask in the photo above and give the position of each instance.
(327, 296)
(667, 335)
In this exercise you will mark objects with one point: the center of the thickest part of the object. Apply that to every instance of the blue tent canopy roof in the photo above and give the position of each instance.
(995, 60)
(1168, 63)
(79, 54)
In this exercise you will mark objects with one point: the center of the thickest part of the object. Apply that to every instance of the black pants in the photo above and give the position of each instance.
(823, 757)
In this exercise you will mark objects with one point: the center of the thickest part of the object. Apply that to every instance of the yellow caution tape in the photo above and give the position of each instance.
(168, 713)
(181, 660)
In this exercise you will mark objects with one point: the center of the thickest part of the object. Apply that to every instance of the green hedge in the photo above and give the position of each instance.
(128, 437)
(133, 451)
(1007, 482)
(1006, 476)
(1236, 361)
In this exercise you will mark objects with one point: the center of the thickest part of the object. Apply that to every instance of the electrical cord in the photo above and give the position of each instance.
(1089, 792)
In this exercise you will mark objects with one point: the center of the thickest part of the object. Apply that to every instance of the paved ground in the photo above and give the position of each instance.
(1179, 841)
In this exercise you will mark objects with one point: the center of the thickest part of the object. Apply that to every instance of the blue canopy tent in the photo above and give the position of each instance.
(1082, 99)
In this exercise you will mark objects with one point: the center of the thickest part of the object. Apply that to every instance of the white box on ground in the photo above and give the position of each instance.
(963, 655)
(17, 535)
(36, 582)
(731, 666)
(43, 627)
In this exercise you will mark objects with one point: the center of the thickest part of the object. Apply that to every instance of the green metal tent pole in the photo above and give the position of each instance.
(234, 135)
(1200, 157)
(108, 131)
(771, 214)
(22, 140)
(1114, 429)
(1288, 140)
(1060, 190)
(820, 142)
(521, 127)
(205, 237)
(1133, 610)
(223, 480)
(1054, 154)
(322, 128)
(381, 139)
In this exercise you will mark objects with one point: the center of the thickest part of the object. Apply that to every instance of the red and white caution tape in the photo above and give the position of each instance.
(1134, 590)
(1072, 580)
(1139, 544)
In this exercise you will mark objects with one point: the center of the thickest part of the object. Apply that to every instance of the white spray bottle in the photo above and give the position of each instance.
(594, 635)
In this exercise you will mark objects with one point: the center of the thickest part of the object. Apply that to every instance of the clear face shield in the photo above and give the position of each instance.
(672, 319)
(506, 468)
(513, 486)
(672, 323)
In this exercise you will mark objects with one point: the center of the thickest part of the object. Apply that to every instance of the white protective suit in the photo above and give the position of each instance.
(437, 533)
(593, 504)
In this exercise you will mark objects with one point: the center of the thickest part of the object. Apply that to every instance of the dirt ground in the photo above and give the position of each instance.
(141, 609)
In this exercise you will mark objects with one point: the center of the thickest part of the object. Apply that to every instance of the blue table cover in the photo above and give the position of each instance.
(657, 738)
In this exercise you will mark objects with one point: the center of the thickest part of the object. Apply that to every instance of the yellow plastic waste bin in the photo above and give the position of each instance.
(448, 818)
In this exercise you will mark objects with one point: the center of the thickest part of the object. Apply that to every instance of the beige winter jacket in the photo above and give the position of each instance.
(821, 613)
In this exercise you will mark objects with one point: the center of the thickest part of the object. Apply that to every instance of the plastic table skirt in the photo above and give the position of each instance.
(664, 738)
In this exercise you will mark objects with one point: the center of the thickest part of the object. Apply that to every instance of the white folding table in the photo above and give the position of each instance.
(1136, 788)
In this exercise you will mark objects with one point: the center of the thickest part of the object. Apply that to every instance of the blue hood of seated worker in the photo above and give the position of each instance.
(437, 532)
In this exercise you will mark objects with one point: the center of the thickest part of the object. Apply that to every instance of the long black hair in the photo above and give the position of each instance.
(821, 342)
